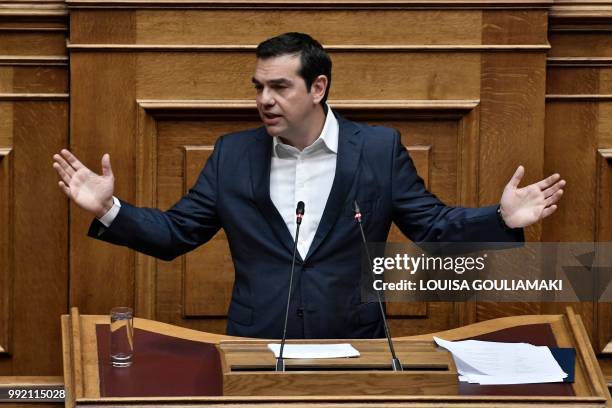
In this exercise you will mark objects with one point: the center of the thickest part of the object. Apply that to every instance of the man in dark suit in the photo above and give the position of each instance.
(304, 152)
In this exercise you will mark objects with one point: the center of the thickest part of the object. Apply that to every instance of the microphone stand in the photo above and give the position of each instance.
(299, 213)
(395, 363)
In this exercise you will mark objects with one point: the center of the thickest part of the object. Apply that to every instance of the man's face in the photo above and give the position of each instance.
(284, 103)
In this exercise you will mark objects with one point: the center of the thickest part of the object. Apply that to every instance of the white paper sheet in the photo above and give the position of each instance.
(314, 350)
(486, 362)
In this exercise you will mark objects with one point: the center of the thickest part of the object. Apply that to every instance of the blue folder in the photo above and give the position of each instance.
(566, 357)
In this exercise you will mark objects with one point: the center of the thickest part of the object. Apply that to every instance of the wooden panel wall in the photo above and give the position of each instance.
(476, 88)
(579, 134)
(464, 85)
(34, 217)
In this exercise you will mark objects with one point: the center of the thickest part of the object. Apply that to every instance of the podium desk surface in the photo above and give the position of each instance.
(90, 381)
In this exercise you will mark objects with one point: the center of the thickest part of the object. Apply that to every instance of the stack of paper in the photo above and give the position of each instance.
(315, 350)
(486, 362)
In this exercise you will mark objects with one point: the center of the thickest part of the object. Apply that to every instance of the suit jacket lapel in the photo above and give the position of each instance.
(260, 154)
(349, 151)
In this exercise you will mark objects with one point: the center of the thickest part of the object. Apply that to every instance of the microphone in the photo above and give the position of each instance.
(299, 214)
(395, 363)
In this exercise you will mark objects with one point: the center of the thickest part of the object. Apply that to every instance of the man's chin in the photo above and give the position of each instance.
(274, 131)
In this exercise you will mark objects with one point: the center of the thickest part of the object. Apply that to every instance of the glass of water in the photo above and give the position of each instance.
(121, 336)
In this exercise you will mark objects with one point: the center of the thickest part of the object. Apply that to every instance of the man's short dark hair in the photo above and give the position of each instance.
(314, 60)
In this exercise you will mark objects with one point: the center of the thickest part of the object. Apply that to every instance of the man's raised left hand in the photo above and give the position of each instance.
(521, 207)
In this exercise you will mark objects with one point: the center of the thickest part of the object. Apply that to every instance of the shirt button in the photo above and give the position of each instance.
(300, 312)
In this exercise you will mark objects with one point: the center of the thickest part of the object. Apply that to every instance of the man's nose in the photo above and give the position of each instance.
(266, 98)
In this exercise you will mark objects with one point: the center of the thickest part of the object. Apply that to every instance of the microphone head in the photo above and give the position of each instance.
(357, 211)
(300, 208)
(299, 212)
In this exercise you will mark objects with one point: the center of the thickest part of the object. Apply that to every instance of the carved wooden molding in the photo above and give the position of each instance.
(32, 29)
(314, 4)
(580, 9)
(33, 10)
(246, 108)
(33, 96)
(332, 48)
(146, 163)
(156, 106)
(31, 380)
(34, 60)
(590, 62)
(6, 250)
(603, 177)
(580, 17)
(580, 27)
(603, 174)
(578, 97)
(459, 105)
(421, 155)
(605, 153)
(603, 216)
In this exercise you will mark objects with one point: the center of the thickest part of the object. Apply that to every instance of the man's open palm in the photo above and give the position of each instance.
(90, 191)
(524, 206)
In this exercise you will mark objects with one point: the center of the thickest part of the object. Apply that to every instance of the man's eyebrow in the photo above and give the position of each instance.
(279, 81)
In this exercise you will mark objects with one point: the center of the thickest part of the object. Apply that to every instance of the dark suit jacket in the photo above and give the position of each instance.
(232, 193)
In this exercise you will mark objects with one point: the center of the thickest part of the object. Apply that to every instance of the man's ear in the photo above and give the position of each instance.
(318, 87)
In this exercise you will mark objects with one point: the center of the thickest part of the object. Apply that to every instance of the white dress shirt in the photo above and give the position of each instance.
(306, 176)
(295, 175)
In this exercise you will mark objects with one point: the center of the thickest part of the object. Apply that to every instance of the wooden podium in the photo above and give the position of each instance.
(180, 367)
(248, 370)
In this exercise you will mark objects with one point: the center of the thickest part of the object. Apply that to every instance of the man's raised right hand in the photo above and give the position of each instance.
(88, 190)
